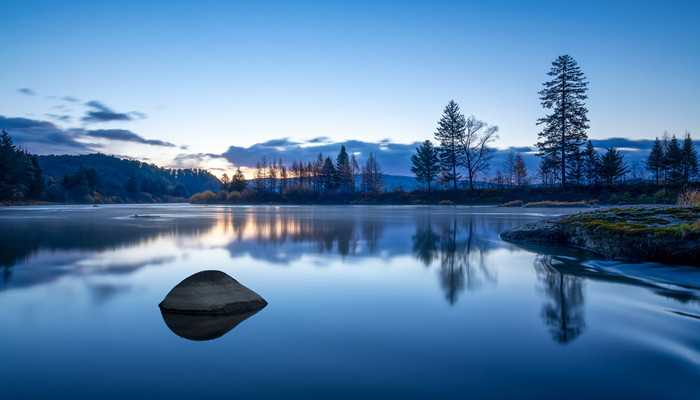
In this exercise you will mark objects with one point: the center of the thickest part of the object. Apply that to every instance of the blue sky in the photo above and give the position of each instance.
(212, 74)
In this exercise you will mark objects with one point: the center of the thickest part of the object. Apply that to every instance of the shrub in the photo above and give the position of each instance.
(689, 198)
(203, 197)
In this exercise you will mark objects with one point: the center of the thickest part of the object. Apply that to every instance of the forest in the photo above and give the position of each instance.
(92, 178)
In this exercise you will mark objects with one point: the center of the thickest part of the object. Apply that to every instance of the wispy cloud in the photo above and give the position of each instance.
(125, 136)
(26, 91)
(98, 112)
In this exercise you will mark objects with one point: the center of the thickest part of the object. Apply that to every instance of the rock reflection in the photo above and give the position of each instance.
(563, 313)
(203, 327)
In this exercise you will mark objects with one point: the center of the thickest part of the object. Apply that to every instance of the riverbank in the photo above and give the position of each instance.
(663, 234)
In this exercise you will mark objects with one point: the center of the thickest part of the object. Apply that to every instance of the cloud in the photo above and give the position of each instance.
(394, 158)
(26, 91)
(60, 117)
(70, 99)
(99, 112)
(43, 137)
(124, 135)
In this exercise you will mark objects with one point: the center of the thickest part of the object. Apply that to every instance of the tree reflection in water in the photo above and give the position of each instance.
(460, 251)
(563, 312)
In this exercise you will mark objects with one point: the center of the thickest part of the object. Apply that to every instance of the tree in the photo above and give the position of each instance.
(425, 163)
(475, 151)
(655, 162)
(519, 171)
(450, 134)
(225, 182)
(612, 166)
(328, 176)
(238, 182)
(371, 176)
(591, 164)
(575, 170)
(673, 161)
(548, 170)
(345, 178)
(564, 129)
(509, 168)
(689, 159)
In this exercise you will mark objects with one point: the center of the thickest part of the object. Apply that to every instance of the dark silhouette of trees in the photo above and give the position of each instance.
(238, 182)
(371, 176)
(591, 164)
(344, 170)
(475, 151)
(21, 178)
(450, 134)
(689, 159)
(673, 161)
(519, 171)
(564, 129)
(425, 164)
(612, 166)
(328, 177)
(656, 160)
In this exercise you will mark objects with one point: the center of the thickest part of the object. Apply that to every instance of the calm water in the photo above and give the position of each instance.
(369, 302)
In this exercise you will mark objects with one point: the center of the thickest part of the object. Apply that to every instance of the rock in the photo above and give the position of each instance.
(211, 293)
(203, 327)
(670, 235)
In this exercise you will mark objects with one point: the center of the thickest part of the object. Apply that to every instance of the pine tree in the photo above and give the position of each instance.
(345, 178)
(565, 127)
(674, 161)
(655, 162)
(689, 159)
(450, 134)
(238, 182)
(575, 173)
(612, 166)
(519, 171)
(591, 164)
(328, 177)
(425, 163)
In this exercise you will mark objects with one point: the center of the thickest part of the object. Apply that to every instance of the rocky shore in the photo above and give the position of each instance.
(668, 234)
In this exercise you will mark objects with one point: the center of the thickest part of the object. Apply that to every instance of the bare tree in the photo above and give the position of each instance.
(475, 147)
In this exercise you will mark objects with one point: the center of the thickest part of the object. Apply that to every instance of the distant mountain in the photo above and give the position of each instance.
(99, 177)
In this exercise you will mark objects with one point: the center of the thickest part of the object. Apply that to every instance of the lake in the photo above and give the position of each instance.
(370, 302)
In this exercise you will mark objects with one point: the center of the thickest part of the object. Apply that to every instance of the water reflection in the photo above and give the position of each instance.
(203, 327)
(563, 312)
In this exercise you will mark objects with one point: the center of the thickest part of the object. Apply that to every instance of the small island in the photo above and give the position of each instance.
(663, 234)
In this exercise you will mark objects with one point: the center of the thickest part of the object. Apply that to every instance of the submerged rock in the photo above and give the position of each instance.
(211, 293)
(657, 234)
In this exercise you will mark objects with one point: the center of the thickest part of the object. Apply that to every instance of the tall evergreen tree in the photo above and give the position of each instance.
(656, 160)
(674, 161)
(612, 166)
(689, 159)
(343, 167)
(450, 134)
(565, 127)
(425, 163)
(591, 164)
(328, 178)
(575, 170)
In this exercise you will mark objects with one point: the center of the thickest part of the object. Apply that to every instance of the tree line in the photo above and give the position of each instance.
(567, 158)
(323, 176)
